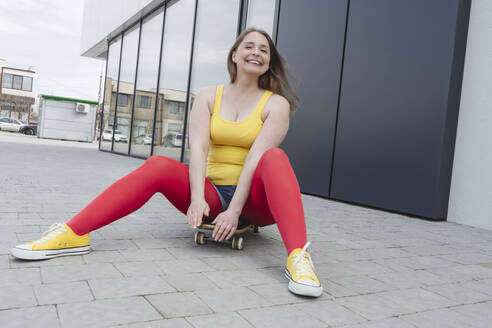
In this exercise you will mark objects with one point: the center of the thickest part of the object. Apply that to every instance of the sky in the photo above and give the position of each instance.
(45, 34)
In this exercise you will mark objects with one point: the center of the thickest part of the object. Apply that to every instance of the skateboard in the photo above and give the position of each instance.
(237, 239)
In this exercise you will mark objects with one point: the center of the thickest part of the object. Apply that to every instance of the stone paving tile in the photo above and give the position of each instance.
(17, 295)
(166, 323)
(244, 261)
(189, 282)
(112, 244)
(129, 286)
(103, 257)
(209, 250)
(362, 284)
(461, 293)
(417, 299)
(58, 293)
(231, 299)
(219, 320)
(476, 271)
(4, 262)
(77, 272)
(335, 289)
(159, 243)
(388, 323)
(330, 312)
(481, 312)
(183, 266)
(220, 264)
(468, 258)
(106, 312)
(280, 317)
(355, 268)
(19, 276)
(408, 279)
(138, 269)
(147, 255)
(373, 306)
(179, 304)
(443, 318)
(278, 294)
(482, 286)
(29, 317)
(450, 274)
(225, 279)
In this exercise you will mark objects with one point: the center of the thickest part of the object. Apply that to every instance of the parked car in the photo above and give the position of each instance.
(118, 137)
(29, 129)
(173, 139)
(10, 124)
(145, 139)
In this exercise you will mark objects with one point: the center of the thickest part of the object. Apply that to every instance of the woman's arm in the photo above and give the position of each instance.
(271, 135)
(199, 144)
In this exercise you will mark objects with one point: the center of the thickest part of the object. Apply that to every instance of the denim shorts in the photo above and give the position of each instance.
(225, 194)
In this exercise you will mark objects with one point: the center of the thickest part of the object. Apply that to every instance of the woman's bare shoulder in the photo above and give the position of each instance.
(276, 103)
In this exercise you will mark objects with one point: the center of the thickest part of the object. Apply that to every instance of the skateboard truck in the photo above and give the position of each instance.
(237, 240)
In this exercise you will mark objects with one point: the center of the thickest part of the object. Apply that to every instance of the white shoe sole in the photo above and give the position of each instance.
(303, 289)
(25, 254)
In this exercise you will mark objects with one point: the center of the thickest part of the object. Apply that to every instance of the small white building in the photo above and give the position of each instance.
(66, 118)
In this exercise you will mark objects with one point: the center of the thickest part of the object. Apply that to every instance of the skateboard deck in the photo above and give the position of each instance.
(237, 240)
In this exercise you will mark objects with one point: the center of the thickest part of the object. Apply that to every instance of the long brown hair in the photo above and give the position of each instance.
(275, 79)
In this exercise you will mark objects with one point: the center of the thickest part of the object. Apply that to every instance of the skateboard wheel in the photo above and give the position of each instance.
(256, 229)
(237, 243)
(199, 238)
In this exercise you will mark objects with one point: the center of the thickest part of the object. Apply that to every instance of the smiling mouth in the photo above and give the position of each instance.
(255, 62)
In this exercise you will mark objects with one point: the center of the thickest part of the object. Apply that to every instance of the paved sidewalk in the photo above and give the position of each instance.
(378, 269)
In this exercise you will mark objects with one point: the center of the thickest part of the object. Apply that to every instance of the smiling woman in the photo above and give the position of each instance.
(236, 170)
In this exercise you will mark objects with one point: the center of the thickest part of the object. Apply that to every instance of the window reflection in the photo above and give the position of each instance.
(212, 44)
(126, 87)
(110, 93)
(145, 94)
(261, 14)
(173, 82)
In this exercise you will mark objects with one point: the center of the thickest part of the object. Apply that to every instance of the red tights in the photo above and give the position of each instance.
(274, 197)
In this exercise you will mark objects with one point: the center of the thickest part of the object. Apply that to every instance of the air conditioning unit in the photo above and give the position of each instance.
(82, 108)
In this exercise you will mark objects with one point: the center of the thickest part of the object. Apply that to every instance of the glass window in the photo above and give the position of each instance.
(173, 84)
(212, 45)
(261, 14)
(148, 69)
(123, 100)
(143, 101)
(110, 93)
(126, 86)
(17, 82)
(27, 83)
(7, 80)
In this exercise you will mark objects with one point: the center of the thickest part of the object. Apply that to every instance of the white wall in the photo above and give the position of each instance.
(470, 199)
(103, 19)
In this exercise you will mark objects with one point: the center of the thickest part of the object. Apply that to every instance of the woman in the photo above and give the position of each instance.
(235, 168)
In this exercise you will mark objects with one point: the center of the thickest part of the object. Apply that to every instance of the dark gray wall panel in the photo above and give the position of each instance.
(310, 37)
(394, 123)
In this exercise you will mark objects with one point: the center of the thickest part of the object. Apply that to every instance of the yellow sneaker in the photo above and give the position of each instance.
(300, 272)
(59, 240)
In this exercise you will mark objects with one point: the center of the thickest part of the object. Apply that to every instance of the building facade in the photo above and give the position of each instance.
(16, 96)
(382, 86)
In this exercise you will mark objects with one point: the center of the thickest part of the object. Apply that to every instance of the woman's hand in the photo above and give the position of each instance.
(225, 225)
(196, 212)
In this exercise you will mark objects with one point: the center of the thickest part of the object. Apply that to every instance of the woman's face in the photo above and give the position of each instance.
(253, 54)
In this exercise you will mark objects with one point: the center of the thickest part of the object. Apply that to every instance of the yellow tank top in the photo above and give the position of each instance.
(230, 141)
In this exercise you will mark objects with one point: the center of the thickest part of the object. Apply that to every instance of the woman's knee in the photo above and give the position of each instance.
(158, 161)
(274, 155)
